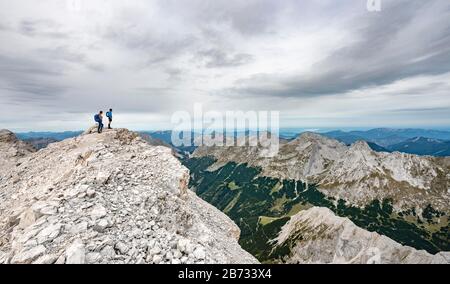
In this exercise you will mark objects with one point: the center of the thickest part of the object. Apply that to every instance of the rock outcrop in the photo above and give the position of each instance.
(12, 149)
(317, 235)
(108, 198)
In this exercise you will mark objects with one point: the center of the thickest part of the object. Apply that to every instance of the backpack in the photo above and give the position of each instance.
(97, 118)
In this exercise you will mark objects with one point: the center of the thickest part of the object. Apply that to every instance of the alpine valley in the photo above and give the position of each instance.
(123, 197)
(322, 201)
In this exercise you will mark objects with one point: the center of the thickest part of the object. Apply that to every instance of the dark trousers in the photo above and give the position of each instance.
(109, 124)
(100, 127)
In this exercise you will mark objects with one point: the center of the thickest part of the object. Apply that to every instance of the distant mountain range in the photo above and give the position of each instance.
(423, 146)
(41, 140)
(411, 141)
(400, 196)
(40, 143)
(59, 136)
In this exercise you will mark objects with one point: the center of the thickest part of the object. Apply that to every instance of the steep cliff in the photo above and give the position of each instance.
(108, 198)
(318, 236)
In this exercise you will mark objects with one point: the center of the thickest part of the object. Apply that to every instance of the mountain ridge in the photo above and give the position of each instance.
(317, 235)
(109, 198)
(339, 169)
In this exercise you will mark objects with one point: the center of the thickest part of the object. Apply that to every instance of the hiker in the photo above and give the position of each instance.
(99, 119)
(109, 116)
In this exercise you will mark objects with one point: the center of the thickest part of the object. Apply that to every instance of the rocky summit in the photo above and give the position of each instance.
(12, 149)
(106, 198)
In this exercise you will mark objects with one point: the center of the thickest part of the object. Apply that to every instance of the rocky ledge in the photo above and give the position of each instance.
(109, 198)
(317, 235)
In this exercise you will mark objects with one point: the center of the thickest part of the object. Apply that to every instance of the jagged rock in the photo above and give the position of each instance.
(78, 228)
(98, 212)
(101, 225)
(27, 218)
(157, 259)
(75, 253)
(93, 257)
(61, 260)
(46, 259)
(13, 150)
(199, 253)
(28, 256)
(108, 252)
(90, 193)
(49, 233)
(318, 236)
(122, 248)
(108, 198)
(182, 243)
(175, 261)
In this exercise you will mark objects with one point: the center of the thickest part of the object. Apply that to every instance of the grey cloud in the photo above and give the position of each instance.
(391, 45)
(4, 27)
(42, 28)
(61, 53)
(250, 17)
(215, 58)
(33, 91)
(29, 80)
(206, 22)
(155, 48)
(432, 110)
(171, 47)
(18, 66)
(174, 73)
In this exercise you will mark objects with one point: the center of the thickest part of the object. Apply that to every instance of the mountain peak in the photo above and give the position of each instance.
(7, 136)
(109, 198)
(322, 232)
(314, 138)
(310, 135)
(360, 146)
(12, 149)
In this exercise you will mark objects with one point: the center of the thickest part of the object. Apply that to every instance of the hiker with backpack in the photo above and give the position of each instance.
(99, 119)
(109, 115)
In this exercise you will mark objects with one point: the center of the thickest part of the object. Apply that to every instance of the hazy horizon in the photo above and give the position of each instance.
(283, 129)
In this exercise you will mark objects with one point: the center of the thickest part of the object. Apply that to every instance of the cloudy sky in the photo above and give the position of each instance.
(320, 63)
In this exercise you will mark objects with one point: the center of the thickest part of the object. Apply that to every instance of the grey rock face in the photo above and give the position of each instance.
(318, 236)
(76, 253)
(108, 198)
(12, 150)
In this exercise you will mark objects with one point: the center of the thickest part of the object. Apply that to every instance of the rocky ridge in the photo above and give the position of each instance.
(354, 173)
(108, 198)
(12, 149)
(317, 235)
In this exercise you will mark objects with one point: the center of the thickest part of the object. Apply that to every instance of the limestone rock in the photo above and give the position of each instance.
(28, 256)
(107, 198)
(76, 253)
(318, 236)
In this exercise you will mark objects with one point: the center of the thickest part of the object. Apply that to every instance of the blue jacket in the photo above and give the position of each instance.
(109, 114)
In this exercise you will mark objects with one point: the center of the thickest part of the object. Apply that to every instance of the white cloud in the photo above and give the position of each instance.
(320, 63)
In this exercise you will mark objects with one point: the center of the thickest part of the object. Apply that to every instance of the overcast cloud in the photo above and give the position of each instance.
(320, 63)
